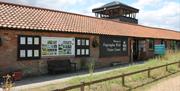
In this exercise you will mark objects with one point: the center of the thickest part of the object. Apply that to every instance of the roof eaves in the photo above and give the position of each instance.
(76, 14)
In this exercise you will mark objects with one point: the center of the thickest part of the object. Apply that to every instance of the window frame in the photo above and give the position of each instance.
(153, 43)
(172, 44)
(27, 47)
(82, 47)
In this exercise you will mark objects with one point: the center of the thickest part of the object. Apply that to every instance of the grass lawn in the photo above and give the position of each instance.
(148, 86)
(115, 85)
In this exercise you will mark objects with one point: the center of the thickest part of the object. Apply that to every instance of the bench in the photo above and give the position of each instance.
(55, 66)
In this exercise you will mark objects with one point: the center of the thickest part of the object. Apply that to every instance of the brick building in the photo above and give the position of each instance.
(31, 36)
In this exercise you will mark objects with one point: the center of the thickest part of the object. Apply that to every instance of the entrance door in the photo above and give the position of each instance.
(135, 50)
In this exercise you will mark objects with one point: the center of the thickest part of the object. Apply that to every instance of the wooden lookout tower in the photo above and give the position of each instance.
(117, 11)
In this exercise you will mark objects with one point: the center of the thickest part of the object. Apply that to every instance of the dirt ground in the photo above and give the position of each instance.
(172, 84)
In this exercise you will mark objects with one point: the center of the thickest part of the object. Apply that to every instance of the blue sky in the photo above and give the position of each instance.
(155, 13)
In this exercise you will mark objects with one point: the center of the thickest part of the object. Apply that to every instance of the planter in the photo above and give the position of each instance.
(1, 80)
(17, 75)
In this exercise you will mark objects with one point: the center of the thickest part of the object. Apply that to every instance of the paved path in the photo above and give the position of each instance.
(51, 79)
(47, 79)
(172, 84)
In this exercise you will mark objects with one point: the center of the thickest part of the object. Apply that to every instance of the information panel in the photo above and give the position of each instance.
(113, 46)
(58, 46)
(160, 49)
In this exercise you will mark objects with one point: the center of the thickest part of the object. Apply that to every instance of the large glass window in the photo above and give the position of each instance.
(29, 47)
(173, 45)
(178, 44)
(151, 44)
(82, 47)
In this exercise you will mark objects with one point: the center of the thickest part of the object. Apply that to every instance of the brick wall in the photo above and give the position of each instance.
(8, 51)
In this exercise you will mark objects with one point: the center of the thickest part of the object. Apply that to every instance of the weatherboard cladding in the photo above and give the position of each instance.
(27, 17)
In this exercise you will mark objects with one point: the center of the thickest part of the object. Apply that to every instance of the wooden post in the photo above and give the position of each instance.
(149, 72)
(123, 79)
(166, 67)
(179, 63)
(82, 86)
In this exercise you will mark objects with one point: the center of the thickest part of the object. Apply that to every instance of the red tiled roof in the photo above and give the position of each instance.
(27, 17)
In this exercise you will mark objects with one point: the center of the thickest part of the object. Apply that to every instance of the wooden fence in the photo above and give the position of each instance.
(148, 70)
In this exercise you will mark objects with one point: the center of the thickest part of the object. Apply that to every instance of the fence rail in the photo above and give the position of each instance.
(123, 75)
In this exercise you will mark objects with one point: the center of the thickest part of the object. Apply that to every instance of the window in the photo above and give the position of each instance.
(83, 42)
(82, 51)
(23, 40)
(162, 41)
(78, 42)
(82, 47)
(22, 53)
(87, 42)
(151, 44)
(78, 51)
(87, 51)
(173, 45)
(30, 40)
(178, 44)
(36, 40)
(36, 53)
(29, 47)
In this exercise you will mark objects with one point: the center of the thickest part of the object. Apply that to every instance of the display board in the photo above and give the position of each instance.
(113, 46)
(58, 46)
(160, 49)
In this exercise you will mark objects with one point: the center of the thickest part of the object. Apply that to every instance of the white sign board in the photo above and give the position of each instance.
(58, 46)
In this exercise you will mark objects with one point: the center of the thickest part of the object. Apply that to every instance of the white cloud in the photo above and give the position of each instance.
(16, 1)
(96, 5)
(61, 2)
(165, 13)
(156, 13)
(142, 3)
(67, 2)
(57, 4)
(88, 10)
(168, 9)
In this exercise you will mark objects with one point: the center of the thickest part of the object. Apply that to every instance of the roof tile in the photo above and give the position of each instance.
(27, 17)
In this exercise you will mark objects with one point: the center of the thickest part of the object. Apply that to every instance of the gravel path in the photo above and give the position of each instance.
(172, 84)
